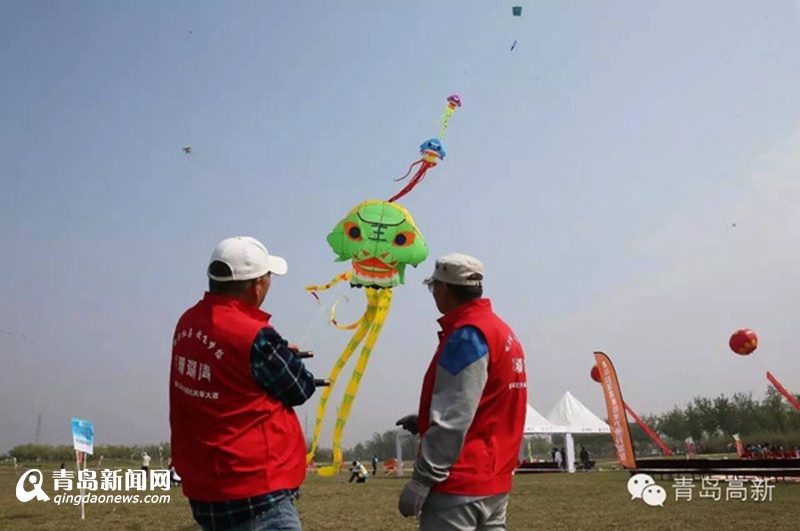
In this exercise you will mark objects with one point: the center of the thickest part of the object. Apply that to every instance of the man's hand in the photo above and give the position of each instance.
(409, 423)
(412, 498)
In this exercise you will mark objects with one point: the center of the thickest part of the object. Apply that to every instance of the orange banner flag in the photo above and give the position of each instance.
(617, 419)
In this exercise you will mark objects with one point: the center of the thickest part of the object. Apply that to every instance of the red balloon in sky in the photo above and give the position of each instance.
(595, 374)
(743, 342)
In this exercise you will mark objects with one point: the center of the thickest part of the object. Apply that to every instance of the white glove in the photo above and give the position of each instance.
(412, 498)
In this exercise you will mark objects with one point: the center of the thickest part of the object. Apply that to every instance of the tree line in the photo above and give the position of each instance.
(49, 453)
(710, 422)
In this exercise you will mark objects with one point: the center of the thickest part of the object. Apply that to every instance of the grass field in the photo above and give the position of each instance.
(596, 500)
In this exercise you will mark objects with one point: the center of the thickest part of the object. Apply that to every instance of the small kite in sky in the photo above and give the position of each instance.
(432, 151)
(517, 12)
(187, 150)
(20, 336)
(453, 102)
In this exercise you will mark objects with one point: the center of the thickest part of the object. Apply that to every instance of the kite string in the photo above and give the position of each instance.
(323, 309)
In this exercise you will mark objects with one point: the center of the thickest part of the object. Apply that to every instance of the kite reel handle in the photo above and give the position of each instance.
(318, 382)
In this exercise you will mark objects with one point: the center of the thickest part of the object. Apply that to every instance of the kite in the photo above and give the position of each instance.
(380, 239)
(517, 12)
(431, 150)
(453, 102)
(187, 150)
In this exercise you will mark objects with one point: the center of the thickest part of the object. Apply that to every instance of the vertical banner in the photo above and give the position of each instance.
(739, 448)
(617, 418)
(83, 436)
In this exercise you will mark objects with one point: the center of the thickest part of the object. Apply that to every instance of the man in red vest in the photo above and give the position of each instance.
(234, 381)
(472, 408)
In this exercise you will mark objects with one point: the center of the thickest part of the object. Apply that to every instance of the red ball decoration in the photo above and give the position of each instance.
(595, 374)
(743, 342)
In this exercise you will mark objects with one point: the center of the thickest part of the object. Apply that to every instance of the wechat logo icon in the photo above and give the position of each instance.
(644, 487)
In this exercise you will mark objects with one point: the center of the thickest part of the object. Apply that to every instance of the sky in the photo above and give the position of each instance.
(629, 175)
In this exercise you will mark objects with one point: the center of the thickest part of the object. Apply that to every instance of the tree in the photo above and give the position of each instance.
(673, 425)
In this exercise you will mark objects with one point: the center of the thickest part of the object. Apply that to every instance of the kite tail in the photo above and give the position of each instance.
(338, 278)
(380, 300)
(445, 122)
(333, 320)
(408, 172)
(418, 177)
(363, 328)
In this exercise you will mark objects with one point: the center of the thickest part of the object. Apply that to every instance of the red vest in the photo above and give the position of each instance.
(491, 447)
(230, 439)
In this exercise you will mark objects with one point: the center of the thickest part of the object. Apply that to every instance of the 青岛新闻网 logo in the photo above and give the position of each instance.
(25, 495)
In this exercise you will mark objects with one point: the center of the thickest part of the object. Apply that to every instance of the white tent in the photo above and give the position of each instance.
(578, 418)
(536, 423)
(574, 417)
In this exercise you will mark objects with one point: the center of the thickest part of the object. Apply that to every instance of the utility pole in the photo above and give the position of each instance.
(38, 429)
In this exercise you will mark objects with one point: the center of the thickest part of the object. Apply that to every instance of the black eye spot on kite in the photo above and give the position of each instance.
(353, 231)
(404, 239)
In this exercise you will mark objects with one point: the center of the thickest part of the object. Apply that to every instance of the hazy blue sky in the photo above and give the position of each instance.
(597, 170)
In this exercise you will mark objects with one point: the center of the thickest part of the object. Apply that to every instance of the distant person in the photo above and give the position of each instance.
(375, 465)
(358, 472)
(472, 408)
(558, 458)
(145, 463)
(585, 457)
(234, 384)
(174, 478)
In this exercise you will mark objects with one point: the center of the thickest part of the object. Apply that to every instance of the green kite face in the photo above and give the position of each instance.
(381, 239)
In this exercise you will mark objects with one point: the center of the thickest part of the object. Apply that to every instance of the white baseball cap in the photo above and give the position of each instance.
(458, 269)
(247, 258)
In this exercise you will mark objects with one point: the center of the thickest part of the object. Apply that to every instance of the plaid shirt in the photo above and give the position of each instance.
(219, 516)
(278, 370)
(282, 374)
